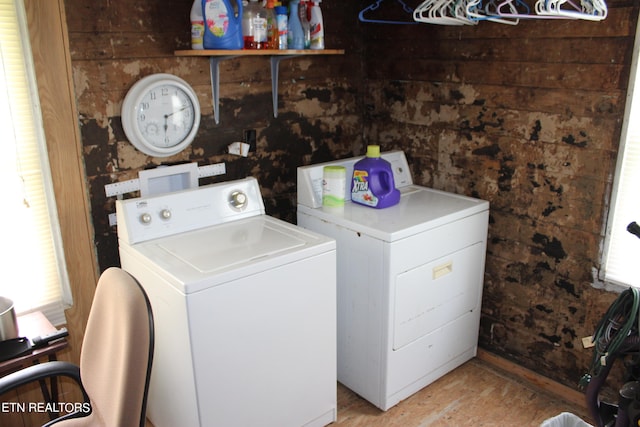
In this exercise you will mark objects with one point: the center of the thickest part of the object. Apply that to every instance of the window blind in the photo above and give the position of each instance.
(622, 249)
(33, 272)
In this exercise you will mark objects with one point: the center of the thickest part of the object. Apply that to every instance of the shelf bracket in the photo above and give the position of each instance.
(214, 70)
(275, 70)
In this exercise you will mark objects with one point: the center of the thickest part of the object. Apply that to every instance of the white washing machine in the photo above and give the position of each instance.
(409, 282)
(244, 307)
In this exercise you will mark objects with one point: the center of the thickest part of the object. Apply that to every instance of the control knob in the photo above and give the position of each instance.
(238, 200)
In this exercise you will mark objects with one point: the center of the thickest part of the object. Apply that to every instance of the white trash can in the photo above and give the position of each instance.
(565, 419)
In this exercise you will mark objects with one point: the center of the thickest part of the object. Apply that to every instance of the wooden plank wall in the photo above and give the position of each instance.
(528, 117)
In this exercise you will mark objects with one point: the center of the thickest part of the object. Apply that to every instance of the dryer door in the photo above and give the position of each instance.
(436, 293)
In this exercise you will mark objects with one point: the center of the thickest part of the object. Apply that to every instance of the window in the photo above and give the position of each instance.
(34, 274)
(622, 249)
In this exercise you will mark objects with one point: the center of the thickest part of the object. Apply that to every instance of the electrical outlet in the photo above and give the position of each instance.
(587, 342)
(250, 138)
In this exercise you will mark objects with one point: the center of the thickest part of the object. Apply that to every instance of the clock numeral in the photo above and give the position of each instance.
(164, 91)
(144, 106)
(142, 117)
(153, 95)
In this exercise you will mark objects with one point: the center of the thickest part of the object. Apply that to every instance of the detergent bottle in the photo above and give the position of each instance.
(295, 33)
(222, 24)
(283, 22)
(254, 25)
(197, 25)
(272, 25)
(373, 184)
(303, 15)
(316, 26)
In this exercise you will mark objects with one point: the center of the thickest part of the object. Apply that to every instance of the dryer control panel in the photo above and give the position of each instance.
(145, 218)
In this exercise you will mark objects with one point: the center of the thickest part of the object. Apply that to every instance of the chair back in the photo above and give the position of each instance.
(117, 351)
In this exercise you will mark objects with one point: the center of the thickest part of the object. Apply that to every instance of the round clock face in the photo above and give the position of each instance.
(161, 115)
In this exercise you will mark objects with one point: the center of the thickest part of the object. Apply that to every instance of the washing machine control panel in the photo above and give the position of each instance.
(146, 218)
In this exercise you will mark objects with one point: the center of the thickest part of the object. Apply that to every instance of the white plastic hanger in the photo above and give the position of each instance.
(593, 10)
(443, 12)
(520, 10)
(475, 11)
(470, 12)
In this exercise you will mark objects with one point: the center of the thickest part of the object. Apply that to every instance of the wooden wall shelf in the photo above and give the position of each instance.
(217, 56)
(258, 52)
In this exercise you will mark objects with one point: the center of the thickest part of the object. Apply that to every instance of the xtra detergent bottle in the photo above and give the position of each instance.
(222, 24)
(372, 184)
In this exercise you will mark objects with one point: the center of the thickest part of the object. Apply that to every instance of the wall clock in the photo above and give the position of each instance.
(161, 115)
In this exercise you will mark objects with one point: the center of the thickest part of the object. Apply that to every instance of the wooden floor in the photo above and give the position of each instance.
(474, 395)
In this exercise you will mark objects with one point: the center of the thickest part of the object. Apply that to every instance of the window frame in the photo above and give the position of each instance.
(633, 91)
(54, 77)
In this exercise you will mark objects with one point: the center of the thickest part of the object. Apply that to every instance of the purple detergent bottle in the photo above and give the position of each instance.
(372, 184)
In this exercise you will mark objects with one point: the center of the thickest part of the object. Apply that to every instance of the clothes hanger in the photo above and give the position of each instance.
(521, 10)
(442, 12)
(477, 12)
(376, 5)
(593, 10)
(470, 12)
(460, 13)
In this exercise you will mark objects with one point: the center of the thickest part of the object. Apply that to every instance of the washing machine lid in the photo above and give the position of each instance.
(206, 257)
(420, 209)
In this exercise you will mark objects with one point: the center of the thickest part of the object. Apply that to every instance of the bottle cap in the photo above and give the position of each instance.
(373, 151)
(335, 170)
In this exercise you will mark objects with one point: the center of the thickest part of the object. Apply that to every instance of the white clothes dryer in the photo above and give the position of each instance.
(410, 281)
(244, 309)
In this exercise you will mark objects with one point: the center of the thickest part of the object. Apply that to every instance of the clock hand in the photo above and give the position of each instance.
(166, 116)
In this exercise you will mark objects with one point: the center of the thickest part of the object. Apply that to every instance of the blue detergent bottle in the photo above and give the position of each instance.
(372, 183)
(295, 33)
(222, 24)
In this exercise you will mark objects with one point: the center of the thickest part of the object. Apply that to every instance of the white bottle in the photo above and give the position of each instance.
(254, 26)
(316, 26)
(197, 25)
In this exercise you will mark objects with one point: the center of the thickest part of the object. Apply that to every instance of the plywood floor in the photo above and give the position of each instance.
(474, 395)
